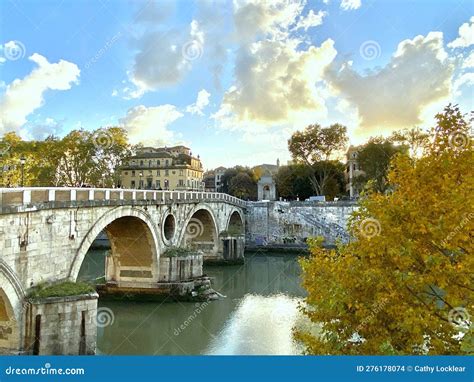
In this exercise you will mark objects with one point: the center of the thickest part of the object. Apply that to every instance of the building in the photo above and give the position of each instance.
(163, 168)
(266, 188)
(218, 173)
(213, 179)
(352, 171)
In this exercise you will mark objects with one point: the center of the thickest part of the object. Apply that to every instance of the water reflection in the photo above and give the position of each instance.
(255, 318)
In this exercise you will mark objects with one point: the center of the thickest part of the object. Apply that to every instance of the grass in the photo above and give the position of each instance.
(179, 252)
(63, 289)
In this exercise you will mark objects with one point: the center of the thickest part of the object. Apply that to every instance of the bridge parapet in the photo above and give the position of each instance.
(14, 200)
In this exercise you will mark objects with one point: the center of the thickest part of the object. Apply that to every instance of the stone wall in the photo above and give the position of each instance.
(180, 268)
(290, 223)
(62, 325)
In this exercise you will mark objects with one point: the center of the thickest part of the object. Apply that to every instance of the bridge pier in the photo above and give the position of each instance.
(61, 325)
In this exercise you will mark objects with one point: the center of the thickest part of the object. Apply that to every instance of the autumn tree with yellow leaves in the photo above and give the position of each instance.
(404, 283)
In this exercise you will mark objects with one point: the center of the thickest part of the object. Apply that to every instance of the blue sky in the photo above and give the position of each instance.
(232, 80)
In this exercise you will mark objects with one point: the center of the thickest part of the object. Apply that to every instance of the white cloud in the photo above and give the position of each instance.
(274, 77)
(23, 96)
(418, 74)
(466, 35)
(164, 58)
(149, 125)
(350, 4)
(202, 101)
(466, 79)
(311, 20)
(469, 61)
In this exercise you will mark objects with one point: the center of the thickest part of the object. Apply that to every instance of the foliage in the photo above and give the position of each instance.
(63, 289)
(415, 139)
(399, 284)
(293, 181)
(374, 159)
(316, 145)
(240, 182)
(80, 158)
(178, 252)
(242, 186)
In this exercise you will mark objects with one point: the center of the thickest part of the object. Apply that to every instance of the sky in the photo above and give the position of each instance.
(232, 79)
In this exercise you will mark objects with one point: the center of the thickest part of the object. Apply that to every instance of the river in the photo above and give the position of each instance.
(256, 317)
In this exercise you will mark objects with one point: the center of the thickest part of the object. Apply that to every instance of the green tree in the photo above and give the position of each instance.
(404, 284)
(243, 186)
(316, 145)
(374, 160)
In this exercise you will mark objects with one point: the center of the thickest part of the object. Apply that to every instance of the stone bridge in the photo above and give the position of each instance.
(45, 234)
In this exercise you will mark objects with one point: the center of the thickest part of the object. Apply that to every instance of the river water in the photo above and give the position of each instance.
(256, 317)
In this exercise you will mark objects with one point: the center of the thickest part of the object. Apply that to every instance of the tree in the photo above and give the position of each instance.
(374, 160)
(404, 285)
(231, 173)
(242, 186)
(293, 181)
(316, 145)
(415, 139)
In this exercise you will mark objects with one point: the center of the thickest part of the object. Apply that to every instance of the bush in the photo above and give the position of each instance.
(63, 289)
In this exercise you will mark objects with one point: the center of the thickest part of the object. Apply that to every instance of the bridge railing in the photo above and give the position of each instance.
(31, 196)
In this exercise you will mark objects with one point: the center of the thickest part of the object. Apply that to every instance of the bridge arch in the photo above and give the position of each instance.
(134, 246)
(235, 223)
(201, 231)
(11, 310)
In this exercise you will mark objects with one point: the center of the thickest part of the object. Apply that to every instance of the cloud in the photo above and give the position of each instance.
(202, 101)
(164, 57)
(149, 125)
(469, 61)
(418, 74)
(350, 4)
(311, 20)
(466, 35)
(23, 96)
(274, 76)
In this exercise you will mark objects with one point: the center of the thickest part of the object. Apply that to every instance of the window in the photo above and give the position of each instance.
(354, 166)
(158, 172)
(126, 172)
(167, 184)
(133, 184)
(181, 183)
(158, 162)
(167, 172)
(158, 184)
(181, 172)
(141, 163)
(149, 163)
(167, 162)
(133, 172)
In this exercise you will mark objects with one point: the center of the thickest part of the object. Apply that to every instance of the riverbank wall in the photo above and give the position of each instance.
(289, 224)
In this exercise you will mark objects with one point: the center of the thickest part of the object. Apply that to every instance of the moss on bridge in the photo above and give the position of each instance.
(63, 289)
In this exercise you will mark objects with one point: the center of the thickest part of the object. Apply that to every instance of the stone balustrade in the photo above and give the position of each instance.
(14, 200)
